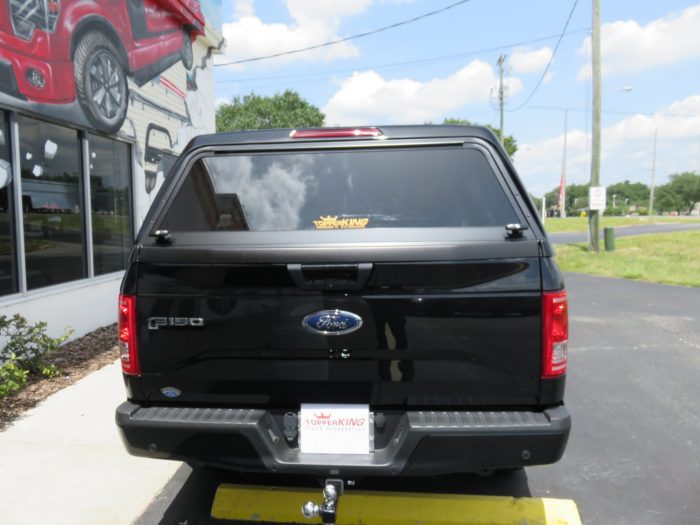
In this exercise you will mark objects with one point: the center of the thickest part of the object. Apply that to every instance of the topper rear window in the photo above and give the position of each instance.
(346, 189)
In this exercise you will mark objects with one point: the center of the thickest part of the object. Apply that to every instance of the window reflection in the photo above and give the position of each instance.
(8, 271)
(51, 202)
(109, 194)
(407, 188)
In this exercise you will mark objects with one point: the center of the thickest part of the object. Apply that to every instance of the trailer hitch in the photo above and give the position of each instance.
(328, 509)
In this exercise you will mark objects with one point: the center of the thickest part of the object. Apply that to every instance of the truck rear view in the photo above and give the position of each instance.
(345, 302)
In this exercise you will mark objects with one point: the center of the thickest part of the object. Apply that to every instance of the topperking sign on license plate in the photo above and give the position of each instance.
(334, 429)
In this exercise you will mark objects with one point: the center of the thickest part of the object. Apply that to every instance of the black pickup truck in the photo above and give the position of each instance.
(344, 302)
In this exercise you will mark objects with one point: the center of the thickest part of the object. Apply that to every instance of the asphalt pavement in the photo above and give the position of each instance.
(634, 395)
(624, 231)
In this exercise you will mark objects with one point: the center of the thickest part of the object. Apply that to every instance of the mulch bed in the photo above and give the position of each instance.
(76, 359)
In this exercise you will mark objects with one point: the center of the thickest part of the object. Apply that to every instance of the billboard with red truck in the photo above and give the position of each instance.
(58, 52)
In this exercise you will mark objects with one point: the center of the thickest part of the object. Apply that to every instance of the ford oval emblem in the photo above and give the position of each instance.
(170, 391)
(332, 322)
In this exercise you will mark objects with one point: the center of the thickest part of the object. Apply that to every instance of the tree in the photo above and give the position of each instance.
(667, 200)
(509, 142)
(536, 201)
(636, 193)
(576, 198)
(680, 194)
(285, 110)
(551, 199)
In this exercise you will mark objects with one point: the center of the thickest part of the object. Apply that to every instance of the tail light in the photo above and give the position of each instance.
(555, 334)
(128, 351)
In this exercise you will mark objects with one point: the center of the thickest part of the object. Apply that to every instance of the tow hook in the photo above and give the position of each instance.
(328, 510)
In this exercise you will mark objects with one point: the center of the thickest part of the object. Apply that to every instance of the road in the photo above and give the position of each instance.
(624, 231)
(634, 395)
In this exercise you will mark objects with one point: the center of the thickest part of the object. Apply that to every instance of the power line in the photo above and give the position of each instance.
(551, 59)
(352, 37)
(326, 74)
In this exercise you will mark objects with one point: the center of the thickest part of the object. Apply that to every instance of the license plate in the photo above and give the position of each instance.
(334, 429)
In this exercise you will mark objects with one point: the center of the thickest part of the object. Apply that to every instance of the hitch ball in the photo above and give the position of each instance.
(329, 508)
(310, 510)
(330, 493)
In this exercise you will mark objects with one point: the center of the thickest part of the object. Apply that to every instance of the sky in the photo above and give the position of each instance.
(446, 66)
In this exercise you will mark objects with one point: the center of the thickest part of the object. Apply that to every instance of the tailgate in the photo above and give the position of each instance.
(463, 333)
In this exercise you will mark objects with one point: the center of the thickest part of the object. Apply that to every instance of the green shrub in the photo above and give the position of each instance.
(26, 345)
(618, 211)
(12, 378)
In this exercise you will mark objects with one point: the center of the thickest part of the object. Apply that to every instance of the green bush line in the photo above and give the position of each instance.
(24, 352)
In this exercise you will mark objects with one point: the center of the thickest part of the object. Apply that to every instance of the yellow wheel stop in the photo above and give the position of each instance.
(283, 505)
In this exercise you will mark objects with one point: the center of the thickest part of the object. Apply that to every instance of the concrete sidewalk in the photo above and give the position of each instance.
(63, 461)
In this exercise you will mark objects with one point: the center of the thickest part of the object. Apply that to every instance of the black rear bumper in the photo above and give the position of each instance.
(421, 443)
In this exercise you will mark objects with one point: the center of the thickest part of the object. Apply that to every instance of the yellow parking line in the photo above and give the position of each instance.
(283, 505)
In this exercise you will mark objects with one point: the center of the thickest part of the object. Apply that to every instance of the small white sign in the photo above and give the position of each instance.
(334, 429)
(597, 198)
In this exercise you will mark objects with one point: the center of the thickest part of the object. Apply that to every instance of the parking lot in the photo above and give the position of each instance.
(633, 392)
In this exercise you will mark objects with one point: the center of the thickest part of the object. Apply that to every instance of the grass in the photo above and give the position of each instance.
(30, 245)
(666, 258)
(580, 224)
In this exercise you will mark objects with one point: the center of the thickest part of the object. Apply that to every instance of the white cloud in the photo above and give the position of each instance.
(530, 61)
(367, 97)
(628, 47)
(273, 194)
(626, 149)
(313, 23)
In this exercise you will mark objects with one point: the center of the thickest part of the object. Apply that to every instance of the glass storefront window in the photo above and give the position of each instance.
(110, 178)
(52, 197)
(8, 259)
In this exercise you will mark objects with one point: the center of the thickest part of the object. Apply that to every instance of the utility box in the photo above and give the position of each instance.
(609, 239)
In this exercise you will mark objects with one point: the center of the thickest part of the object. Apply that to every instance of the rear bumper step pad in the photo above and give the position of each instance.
(423, 443)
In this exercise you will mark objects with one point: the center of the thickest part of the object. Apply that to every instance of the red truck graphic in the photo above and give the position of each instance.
(59, 51)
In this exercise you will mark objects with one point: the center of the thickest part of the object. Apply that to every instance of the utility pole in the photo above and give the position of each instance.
(653, 175)
(562, 183)
(501, 94)
(593, 219)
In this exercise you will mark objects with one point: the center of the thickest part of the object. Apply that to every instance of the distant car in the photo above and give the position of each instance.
(57, 51)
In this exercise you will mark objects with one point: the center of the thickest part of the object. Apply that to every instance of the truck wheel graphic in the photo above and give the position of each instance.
(100, 82)
(187, 55)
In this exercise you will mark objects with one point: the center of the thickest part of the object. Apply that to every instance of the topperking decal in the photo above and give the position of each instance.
(332, 222)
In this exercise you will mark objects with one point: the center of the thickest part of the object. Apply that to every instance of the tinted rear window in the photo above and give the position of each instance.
(395, 188)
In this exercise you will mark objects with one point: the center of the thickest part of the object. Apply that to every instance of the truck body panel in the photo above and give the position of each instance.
(274, 273)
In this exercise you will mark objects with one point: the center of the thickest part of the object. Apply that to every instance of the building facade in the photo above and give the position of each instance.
(97, 97)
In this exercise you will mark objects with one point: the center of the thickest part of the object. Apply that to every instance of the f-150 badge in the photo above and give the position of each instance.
(156, 323)
(332, 322)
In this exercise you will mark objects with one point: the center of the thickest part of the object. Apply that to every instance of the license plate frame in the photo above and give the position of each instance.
(340, 429)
